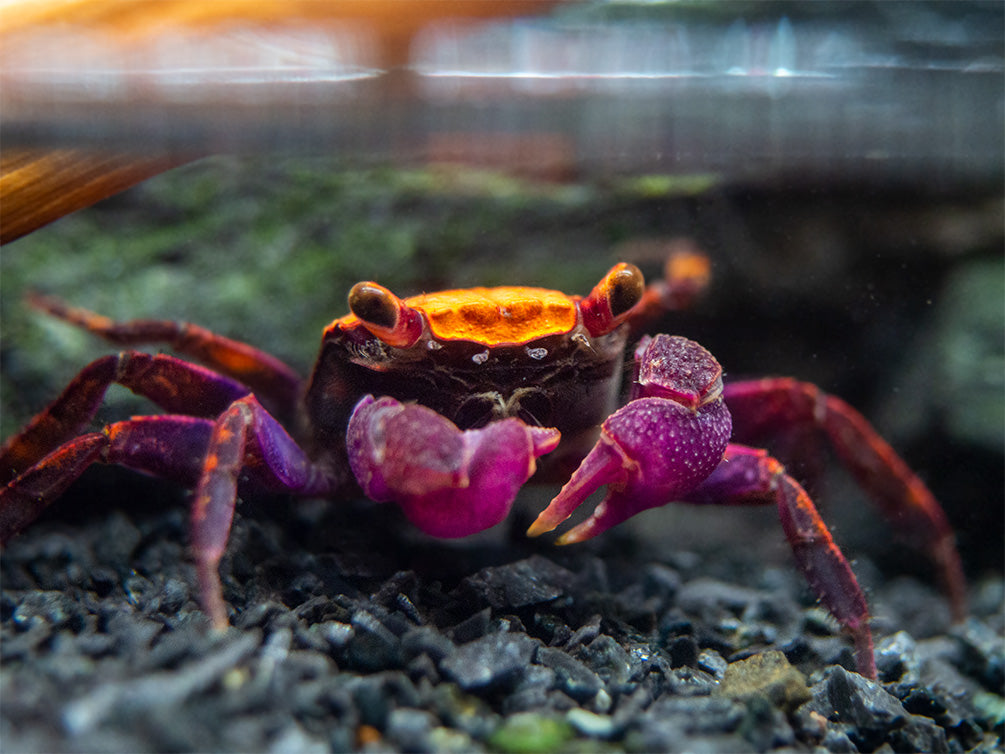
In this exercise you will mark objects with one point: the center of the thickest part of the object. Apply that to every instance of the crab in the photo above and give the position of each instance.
(446, 403)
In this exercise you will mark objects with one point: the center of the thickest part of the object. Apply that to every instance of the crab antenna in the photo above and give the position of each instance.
(612, 299)
(385, 315)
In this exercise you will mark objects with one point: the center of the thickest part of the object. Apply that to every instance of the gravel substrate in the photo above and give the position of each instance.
(350, 631)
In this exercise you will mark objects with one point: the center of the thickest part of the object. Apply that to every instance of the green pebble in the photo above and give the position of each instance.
(528, 732)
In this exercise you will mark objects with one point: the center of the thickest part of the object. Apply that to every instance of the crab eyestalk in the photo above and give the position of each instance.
(612, 299)
(385, 315)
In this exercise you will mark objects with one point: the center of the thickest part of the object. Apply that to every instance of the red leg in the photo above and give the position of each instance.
(166, 446)
(245, 437)
(686, 275)
(273, 381)
(208, 455)
(175, 385)
(670, 443)
(761, 408)
(752, 477)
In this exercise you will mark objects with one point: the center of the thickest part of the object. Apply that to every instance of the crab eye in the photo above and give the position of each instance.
(385, 315)
(613, 298)
(624, 286)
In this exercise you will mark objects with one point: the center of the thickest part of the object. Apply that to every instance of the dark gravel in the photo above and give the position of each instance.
(352, 631)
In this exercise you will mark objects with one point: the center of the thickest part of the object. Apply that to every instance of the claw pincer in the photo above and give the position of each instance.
(656, 448)
(449, 483)
(672, 444)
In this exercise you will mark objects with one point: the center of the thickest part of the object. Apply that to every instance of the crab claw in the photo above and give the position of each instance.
(449, 483)
(656, 448)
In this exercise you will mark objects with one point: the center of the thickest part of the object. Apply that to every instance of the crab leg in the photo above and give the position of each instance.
(244, 438)
(751, 477)
(780, 405)
(166, 446)
(274, 382)
(176, 386)
(744, 477)
(202, 453)
(686, 275)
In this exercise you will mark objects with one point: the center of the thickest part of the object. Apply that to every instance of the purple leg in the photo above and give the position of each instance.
(175, 385)
(751, 477)
(449, 483)
(166, 446)
(244, 438)
(199, 452)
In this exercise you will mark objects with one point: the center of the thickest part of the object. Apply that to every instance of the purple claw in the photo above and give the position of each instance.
(656, 448)
(449, 483)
